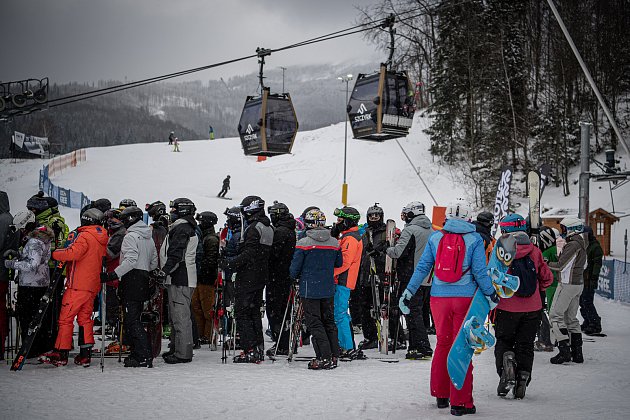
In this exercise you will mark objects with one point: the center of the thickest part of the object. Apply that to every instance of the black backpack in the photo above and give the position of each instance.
(525, 269)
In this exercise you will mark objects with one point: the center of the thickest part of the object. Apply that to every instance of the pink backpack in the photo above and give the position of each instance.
(449, 259)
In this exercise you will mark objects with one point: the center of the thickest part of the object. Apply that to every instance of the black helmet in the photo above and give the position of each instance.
(485, 218)
(183, 207)
(233, 217)
(277, 211)
(156, 210)
(207, 218)
(375, 215)
(103, 204)
(252, 204)
(127, 202)
(92, 216)
(130, 215)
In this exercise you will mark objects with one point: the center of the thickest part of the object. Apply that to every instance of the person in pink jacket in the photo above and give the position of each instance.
(517, 319)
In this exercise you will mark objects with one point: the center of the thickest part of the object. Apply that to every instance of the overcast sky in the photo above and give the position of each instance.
(89, 40)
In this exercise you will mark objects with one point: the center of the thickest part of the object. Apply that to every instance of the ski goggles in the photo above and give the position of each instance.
(343, 215)
(374, 217)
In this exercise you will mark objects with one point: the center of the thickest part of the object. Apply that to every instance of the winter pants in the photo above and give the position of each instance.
(426, 306)
(248, 320)
(79, 304)
(28, 299)
(277, 299)
(544, 330)
(354, 304)
(137, 337)
(113, 306)
(320, 320)
(516, 331)
(448, 315)
(203, 308)
(367, 322)
(563, 313)
(181, 340)
(4, 318)
(587, 309)
(223, 191)
(418, 338)
(342, 318)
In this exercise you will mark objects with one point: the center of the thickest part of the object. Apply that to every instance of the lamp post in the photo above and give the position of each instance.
(344, 187)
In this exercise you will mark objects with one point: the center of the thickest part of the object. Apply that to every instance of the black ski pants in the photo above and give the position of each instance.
(367, 321)
(319, 315)
(418, 337)
(277, 299)
(587, 308)
(137, 337)
(248, 321)
(113, 306)
(516, 331)
(28, 299)
(223, 191)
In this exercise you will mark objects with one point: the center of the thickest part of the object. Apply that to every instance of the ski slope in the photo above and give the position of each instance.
(312, 175)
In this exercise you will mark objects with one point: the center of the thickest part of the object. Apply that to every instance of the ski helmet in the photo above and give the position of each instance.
(350, 216)
(23, 219)
(485, 219)
(206, 218)
(411, 210)
(103, 204)
(112, 219)
(314, 218)
(513, 223)
(127, 202)
(375, 214)
(460, 210)
(156, 210)
(251, 205)
(306, 210)
(233, 218)
(571, 226)
(130, 216)
(277, 211)
(92, 216)
(182, 207)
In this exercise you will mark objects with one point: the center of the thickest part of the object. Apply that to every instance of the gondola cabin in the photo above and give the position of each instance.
(268, 124)
(381, 106)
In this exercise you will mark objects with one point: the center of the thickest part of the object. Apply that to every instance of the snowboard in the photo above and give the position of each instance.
(152, 316)
(37, 320)
(387, 290)
(473, 337)
(225, 198)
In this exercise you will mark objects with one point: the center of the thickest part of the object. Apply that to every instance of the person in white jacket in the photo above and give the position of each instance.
(138, 257)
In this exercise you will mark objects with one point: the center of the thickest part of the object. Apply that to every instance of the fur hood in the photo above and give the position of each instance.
(43, 233)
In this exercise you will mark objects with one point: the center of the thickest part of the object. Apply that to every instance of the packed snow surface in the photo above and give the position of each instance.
(371, 389)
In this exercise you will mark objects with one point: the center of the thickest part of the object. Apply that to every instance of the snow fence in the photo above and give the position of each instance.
(614, 280)
(65, 196)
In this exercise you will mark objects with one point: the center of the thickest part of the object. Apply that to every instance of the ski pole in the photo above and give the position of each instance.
(284, 319)
(103, 312)
(120, 332)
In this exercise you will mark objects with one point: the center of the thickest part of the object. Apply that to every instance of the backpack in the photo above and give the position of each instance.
(525, 269)
(449, 259)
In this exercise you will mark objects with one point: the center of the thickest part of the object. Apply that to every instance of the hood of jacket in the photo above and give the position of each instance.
(580, 238)
(98, 232)
(287, 222)
(459, 226)
(422, 221)
(44, 234)
(4, 202)
(141, 229)
(319, 234)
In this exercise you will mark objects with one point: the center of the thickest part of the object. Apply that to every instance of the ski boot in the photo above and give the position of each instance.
(349, 355)
(565, 353)
(55, 357)
(84, 357)
(320, 364)
(131, 361)
(368, 344)
(508, 375)
(171, 359)
(250, 356)
(418, 355)
(459, 410)
(540, 346)
(401, 345)
(523, 379)
(114, 348)
(280, 352)
(442, 402)
(576, 348)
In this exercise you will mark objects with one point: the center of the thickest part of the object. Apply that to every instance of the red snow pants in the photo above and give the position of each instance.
(448, 316)
(79, 304)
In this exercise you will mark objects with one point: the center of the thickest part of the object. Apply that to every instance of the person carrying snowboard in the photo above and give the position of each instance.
(450, 300)
(565, 327)
(225, 188)
(517, 319)
(314, 261)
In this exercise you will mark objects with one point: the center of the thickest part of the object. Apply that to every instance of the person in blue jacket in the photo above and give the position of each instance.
(450, 302)
(314, 260)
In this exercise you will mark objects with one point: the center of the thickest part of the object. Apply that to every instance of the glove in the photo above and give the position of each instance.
(160, 277)
(493, 300)
(105, 277)
(10, 253)
(404, 302)
(9, 264)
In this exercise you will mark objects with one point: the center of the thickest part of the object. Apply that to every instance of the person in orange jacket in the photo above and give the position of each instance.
(85, 262)
(346, 276)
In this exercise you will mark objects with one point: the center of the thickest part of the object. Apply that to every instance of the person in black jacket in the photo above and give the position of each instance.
(203, 296)
(159, 229)
(252, 267)
(279, 285)
(225, 188)
(483, 225)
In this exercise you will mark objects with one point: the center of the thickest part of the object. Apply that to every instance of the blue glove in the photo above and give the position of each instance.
(493, 300)
(404, 301)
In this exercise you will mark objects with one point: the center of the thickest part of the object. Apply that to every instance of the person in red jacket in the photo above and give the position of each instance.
(346, 276)
(85, 261)
(517, 319)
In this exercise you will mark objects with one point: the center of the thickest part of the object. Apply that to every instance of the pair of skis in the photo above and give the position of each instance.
(381, 310)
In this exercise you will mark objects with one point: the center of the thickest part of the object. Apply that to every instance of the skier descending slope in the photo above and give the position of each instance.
(517, 318)
(450, 300)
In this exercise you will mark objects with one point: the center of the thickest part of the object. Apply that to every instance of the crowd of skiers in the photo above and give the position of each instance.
(332, 268)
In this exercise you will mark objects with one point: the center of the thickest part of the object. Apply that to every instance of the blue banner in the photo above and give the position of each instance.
(64, 197)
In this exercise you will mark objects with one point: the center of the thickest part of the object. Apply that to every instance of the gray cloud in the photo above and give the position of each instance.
(90, 40)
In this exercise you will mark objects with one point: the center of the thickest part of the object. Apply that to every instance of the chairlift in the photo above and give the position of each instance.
(382, 105)
(268, 124)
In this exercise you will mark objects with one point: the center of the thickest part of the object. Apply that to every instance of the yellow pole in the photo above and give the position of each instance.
(344, 194)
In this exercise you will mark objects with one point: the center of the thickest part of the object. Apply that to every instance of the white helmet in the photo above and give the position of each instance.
(23, 218)
(572, 225)
(459, 210)
(411, 210)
